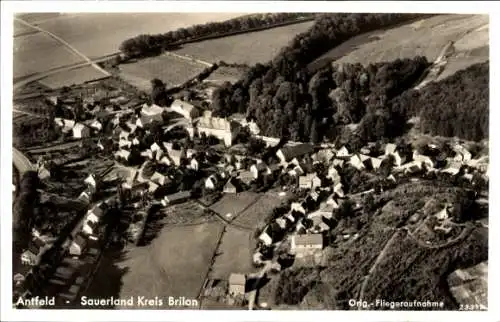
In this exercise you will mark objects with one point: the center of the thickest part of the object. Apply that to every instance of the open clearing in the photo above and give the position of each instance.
(425, 37)
(174, 264)
(255, 214)
(170, 69)
(249, 48)
(234, 203)
(225, 74)
(100, 34)
(234, 254)
(72, 77)
(36, 53)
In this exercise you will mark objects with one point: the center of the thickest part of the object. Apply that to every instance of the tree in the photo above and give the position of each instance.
(159, 93)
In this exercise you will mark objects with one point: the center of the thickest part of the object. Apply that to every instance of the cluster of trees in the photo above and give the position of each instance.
(286, 99)
(147, 45)
(455, 106)
(25, 208)
(34, 132)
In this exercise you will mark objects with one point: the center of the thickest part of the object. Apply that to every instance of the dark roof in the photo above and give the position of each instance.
(80, 240)
(295, 151)
(179, 195)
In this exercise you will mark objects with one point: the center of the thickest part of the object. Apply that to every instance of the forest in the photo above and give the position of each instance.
(351, 104)
(456, 106)
(148, 45)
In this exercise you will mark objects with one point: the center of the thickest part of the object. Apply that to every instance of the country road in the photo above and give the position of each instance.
(87, 60)
(62, 41)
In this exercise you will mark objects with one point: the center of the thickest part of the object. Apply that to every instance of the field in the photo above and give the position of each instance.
(174, 264)
(249, 48)
(21, 29)
(72, 77)
(425, 37)
(255, 214)
(36, 53)
(187, 213)
(170, 69)
(225, 74)
(234, 203)
(234, 254)
(100, 34)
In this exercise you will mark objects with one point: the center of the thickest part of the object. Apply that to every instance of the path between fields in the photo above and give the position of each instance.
(65, 43)
(14, 110)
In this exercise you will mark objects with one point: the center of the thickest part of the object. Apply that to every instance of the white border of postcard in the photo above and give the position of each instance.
(9, 7)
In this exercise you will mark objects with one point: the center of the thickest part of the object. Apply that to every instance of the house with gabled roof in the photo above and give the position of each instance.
(155, 147)
(151, 113)
(246, 177)
(338, 189)
(159, 178)
(80, 131)
(122, 154)
(211, 182)
(78, 245)
(259, 169)
(237, 283)
(183, 108)
(288, 153)
(343, 152)
(306, 244)
(356, 162)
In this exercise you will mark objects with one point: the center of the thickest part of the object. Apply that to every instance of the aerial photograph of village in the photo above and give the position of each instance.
(250, 161)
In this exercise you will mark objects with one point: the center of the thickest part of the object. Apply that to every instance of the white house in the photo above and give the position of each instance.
(155, 147)
(306, 244)
(90, 181)
(193, 164)
(339, 190)
(122, 154)
(96, 125)
(210, 182)
(91, 217)
(151, 113)
(259, 168)
(297, 206)
(158, 178)
(343, 152)
(77, 246)
(80, 131)
(265, 239)
(124, 143)
(182, 108)
(356, 162)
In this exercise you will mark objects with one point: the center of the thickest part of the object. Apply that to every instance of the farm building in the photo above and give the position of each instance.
(78, 245)
(80, 131)
(194, 164)
(237, 284)
(306, 244)
(151, 113)
(84, 196)
(182, 108)
(89, 228)
(177, 197)
(95, 124)
(288, 153)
